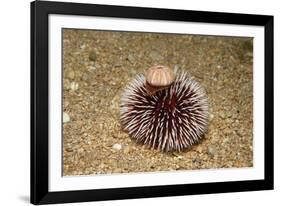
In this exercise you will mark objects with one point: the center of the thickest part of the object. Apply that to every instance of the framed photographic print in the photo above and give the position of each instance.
(131, 102)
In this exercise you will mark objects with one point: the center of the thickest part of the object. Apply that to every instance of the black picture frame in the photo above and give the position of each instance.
(39, 102)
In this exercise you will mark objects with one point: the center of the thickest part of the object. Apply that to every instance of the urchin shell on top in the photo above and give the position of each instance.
(172, 119)
(160, 76)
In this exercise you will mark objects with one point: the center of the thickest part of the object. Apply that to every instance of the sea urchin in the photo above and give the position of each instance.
(172, 119)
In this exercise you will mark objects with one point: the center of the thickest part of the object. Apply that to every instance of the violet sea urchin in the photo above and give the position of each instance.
(172, 119)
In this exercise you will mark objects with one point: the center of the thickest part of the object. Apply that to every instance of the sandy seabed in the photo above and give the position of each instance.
(97, 66)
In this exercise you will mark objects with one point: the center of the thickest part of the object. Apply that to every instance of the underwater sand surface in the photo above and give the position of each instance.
(97, 67)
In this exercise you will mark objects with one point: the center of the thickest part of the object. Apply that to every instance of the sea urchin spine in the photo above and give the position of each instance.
(172, 119)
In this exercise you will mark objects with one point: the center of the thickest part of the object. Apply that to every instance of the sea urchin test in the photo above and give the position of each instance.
(164, 111)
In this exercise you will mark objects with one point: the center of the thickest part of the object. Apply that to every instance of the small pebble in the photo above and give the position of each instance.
(92, 68)
(127, 149)
(80, 150)
(74, 86)
(229, 114)
(117, 170)
(102, 165)
(131, 58)
(70, 74)
(222, 115)
(66, 117)
(154, 55)
(69, 149)
(85, 77)
(211, 151)
(82, 46)
(93, 56)
(97, 66)
(117, 146)
(179, 157)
